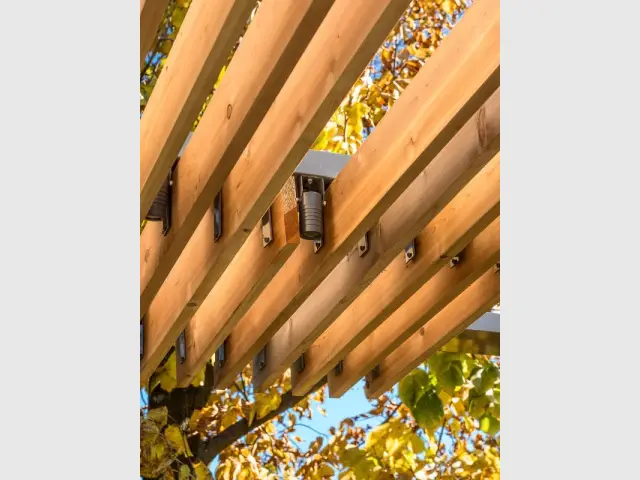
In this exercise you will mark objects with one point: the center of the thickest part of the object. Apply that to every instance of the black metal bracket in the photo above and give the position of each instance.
(363, 244)
(267, 228)
(454, 261)
(141, 339)
(217, 217)
(338, 368)
(496, 267)
(375, 373)
(182, 348)
(310, 183)
(300, 363)
(161, 207)
(261, 359)
(220, 354)
(410, 251)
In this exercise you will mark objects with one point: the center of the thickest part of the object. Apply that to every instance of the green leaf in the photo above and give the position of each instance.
(490, 425)
(412, 386)
(484, 378)
(428, 410)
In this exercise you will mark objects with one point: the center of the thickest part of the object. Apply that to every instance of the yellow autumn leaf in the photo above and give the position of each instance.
(267, 402)
(177, 440)
(167, 377)
(185, 472)
(159, 415)
(198, 380)
(448, 6)
(202, 472)
(228, 419)
(270, 428)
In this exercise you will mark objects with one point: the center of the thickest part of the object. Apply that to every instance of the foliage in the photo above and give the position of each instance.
(444, 419)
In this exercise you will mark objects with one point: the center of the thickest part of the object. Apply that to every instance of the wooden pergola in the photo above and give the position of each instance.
(258, 250)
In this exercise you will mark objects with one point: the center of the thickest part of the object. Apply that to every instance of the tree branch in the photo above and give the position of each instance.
(210, 449)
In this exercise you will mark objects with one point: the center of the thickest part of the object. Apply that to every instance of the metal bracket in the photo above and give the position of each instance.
(220, 354)
(141, 339)
(311, 183)
(217, 217)
(182, 348)
(338, 369)
(261, 359)
(373, 374)
(267, 228)
(410, 251)
(300, 363)
(161, 207)
(363, 244)
(496, 267)
(454, 261)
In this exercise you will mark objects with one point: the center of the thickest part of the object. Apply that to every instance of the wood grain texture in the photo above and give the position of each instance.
(477, 204)
(455, 82)
(335, 57)
(203, 44)
(370, 346)
(151, 13)
(447, 324)
(244, 279)
(273, 44)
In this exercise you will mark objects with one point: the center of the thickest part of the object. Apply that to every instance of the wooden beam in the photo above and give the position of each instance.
(273, 44)
(319, 82)
(447, 324)
(450, 88)
(244, 279)
(472, 210)
(151, 13)
(203, 44)
(433, 296)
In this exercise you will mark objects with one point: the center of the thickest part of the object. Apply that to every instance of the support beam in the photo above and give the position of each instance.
(470, 212)
(273, 44)
(450, 88)
(151, 13)
(244, 279)
(363, 354)
(206, 37)
(446, 326)
(319, 82)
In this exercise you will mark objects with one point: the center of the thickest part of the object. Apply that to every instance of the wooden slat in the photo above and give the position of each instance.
(441, 289)
(204, 42)
(472, 210)
(151, 13)
(450, 88)
(241, 283)
(275, 40)
(318, 83)
(450, 322)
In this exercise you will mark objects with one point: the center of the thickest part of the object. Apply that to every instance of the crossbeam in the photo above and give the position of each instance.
(446, 285)
(418, 126)
(445, 329)
(151, 13)
(273, 44)
(471, 210)
(204, 41)
(319, 82)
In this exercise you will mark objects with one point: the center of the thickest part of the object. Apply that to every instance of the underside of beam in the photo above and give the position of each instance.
(473, 209)
(318, 83)
(446, 285)
(450, 88)
(274, 42)
(446, 330)
(238, 287)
